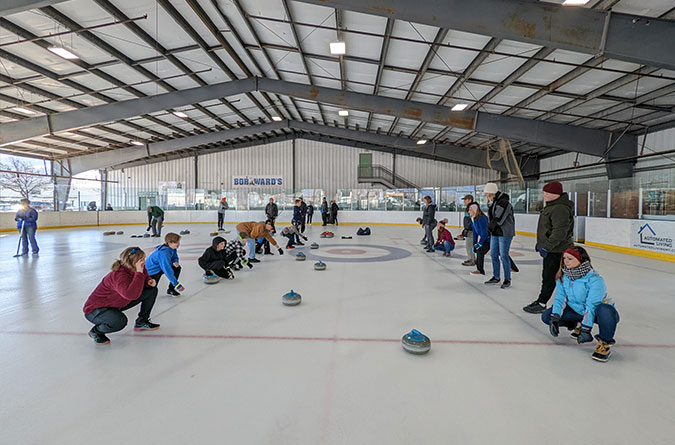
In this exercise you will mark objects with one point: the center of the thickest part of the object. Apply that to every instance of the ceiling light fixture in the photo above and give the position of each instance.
(575, 2)
(343, 113)
(276, 119)
(62, 52)
(137, 143)
(459, 107)
(180, 114)
(421, 142)
(338, 48)
(24, 110)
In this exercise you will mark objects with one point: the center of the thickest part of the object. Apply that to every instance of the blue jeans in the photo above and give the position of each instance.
(27, 235)
(250, 243)
(499, 247)
(446, 247)
(606, 317)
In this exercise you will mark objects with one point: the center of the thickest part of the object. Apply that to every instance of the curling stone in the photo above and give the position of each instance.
(320, 265)
(210, 278)
(300, 257)
(330, 235)
(346, 237)
(146, 235)
(108, 233)
(415, 342)
(134, 236)
(120, 232)
(423, 243)
(323, 235)
(314, 246)
(184, 232)
(213, 233)
(291, 298)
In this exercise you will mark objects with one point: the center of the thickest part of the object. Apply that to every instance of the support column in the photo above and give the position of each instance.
(62, 179)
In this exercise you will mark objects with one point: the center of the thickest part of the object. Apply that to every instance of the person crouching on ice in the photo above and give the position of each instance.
(444, 240)
(164, 261)
(293, 234)
(580, 301)
(235, 248)
(214, 260)
(127, 285)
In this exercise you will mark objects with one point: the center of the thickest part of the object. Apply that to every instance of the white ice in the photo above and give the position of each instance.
(231, 364)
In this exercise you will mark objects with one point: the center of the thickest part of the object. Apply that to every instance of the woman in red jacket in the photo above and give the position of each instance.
(127, 285)
(444, 240)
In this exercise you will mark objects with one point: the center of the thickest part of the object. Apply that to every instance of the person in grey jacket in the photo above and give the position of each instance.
(429, 222)
(272, 212)
(221, 212)
(502, 228)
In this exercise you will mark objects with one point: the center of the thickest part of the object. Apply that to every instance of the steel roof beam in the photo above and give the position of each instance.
(566, 137)
(628, 37)
(8, 7)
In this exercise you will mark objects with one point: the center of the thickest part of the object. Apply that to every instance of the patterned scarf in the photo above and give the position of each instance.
(578, 272)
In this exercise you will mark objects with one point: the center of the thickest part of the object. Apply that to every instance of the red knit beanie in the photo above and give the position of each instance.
(575, 253)
(554, 187)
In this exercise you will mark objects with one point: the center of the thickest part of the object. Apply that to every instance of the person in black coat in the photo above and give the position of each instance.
(334, 212)
(429, 222)
(214, 259)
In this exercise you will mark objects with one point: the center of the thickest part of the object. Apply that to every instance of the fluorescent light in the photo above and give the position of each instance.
(338, 48)
(137, 143)
(421, 142)
(24, 110)
(276, 119)
(63, 52)
(343, 113)
(459, 107)
(180, 114)
(575, 2)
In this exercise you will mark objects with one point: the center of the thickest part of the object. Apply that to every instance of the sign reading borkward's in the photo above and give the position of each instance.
(257, 181)
(655, 236)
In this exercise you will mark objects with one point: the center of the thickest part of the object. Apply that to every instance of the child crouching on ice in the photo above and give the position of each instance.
(215, 260)
(164, 261)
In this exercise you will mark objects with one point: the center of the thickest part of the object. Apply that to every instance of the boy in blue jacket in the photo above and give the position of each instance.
(26, 222)
(164, 261)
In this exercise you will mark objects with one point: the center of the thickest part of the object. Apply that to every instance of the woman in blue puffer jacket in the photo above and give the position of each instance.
(581, 297)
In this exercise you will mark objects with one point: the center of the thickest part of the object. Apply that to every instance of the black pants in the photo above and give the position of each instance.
(480, 257)
(333, 218)
(112, 319)
(221, 219)
(158, 275)
(549, 270)
(324, 219)
(309, 218)
(302, 225)
(218, 266)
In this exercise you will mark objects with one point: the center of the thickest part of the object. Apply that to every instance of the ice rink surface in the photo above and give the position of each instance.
(232, 365)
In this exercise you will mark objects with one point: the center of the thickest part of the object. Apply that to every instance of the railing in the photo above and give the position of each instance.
(382, 175)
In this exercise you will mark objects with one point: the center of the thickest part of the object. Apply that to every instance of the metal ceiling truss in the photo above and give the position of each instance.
(227, 139)
(8, 7)
(566, 137)
(627, 37)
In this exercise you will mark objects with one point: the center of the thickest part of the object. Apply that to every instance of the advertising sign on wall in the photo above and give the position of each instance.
(257, 181)
(653, 236)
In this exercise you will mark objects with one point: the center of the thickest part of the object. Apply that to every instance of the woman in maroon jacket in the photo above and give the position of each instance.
(444, 240)
(125, 287)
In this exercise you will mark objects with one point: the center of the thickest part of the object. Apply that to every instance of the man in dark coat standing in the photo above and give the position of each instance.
(555, 234)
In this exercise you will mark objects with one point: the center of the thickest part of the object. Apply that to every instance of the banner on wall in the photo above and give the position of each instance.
(257, 181)
(653, 236)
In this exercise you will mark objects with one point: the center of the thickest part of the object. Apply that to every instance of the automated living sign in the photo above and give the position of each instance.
(653, 236)
(257, 181)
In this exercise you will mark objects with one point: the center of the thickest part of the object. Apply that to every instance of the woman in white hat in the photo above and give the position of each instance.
(502, 228)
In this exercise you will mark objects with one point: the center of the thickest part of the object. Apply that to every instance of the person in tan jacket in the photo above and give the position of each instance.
(256, 231)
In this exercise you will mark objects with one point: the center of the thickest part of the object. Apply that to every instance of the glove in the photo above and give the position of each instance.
(554, 327)
(476, 247)
(543, 252)
(250, 266)
(585, 335)
(281, 252)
